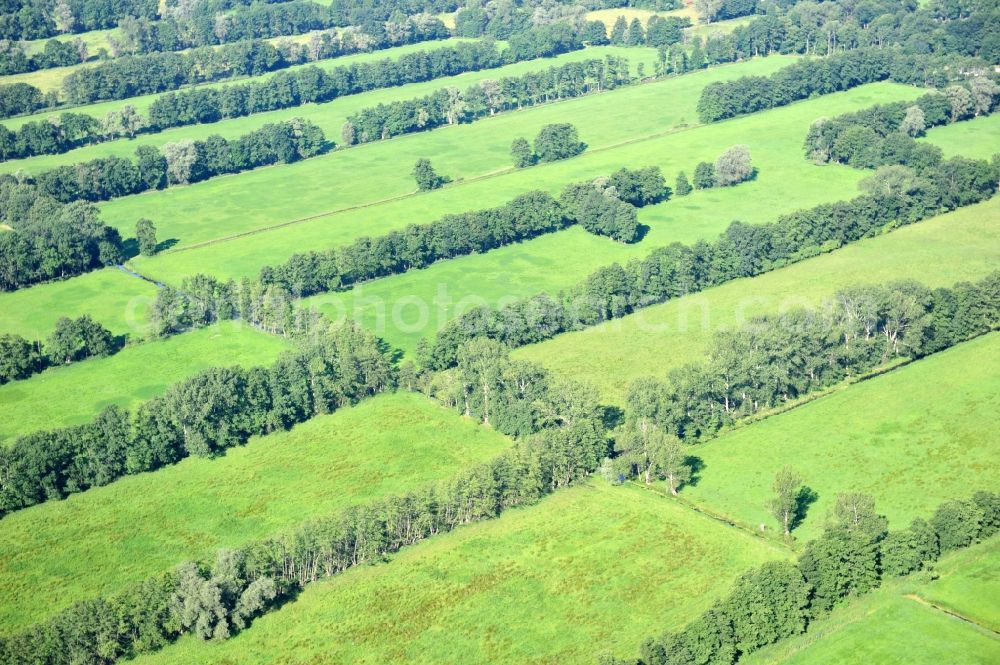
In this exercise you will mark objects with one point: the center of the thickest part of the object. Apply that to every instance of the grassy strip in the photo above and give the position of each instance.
(145, 524)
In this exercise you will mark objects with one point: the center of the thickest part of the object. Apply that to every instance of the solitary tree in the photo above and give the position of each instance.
(521, 151)
(913, 123)
(682, 186)
(671, 460)
(733, 166)
(704, 176)
(425, 175)
(786, 489)
(145, 235)
(558, 141)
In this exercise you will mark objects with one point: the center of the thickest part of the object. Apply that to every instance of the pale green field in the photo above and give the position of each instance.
(73, 394)
(251, 197)
(911, 438)
(114, 299)
(888, 627)
(968, 584)
(705, 30)
(609, 16)
(95, 39)
(590, 568)
(104, 539)
(406, 307)
(328, 115)
(45, 80)
(977, 139)
(962, 245)
(374, 172)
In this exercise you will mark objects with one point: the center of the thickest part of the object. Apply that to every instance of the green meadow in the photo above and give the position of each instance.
(968, 584)
(889, 626)
(911, 438)
(404, 308)
(73, 394)
(978, 138)
(118, 301)
(962, 245)
(291, 192)
(534, 586)
(330, 116)
(142, 525)
(351, 181)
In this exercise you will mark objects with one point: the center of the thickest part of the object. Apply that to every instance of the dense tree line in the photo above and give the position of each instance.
(72, 340)
(203, 415)
(659, 32)
(561, 440)
(743, 250)
(883, 135)
(419, 245)
(37, 19)
(50, 240)
(56, 53)
(855, 554)
(21, 98)
(827, 28)
(775, 359)
(201, 105)
(182, 162)
(452, 106)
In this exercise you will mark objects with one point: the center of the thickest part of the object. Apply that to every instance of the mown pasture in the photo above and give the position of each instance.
(961, 245)
(142, 525)
(533, 586)
(73, 394)
(330, 116)
(978, 138)
(118, 301)
(266, 196)
(376, 172)
(559, 260)
(911, 438)
(888, 626)
(968, 584)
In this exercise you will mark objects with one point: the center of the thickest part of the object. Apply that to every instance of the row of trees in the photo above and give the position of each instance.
(775, 359)
(420, 245)
(883, 135)
(831, 27)
(182, 162)
(37, 19)
(162, 70)
(72, 340)
(452, 106)
(201, 105)
(563, 439)
(50, 240)
(743, 250)
(855, 554)
(660, 32)
(203, 415)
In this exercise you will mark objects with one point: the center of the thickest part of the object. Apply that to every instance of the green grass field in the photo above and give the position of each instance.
(118, 301)
(378, 171)
(968, 584)
(75, 393)
(705, 30)
(142, 525)
(888, 627)
(301, 193)
(590, 568)
(977, 139)
(330, 116)
(911, 438)
(963, 245)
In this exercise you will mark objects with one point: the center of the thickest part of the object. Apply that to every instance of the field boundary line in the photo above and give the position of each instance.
(920, 600)
(717, 517)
